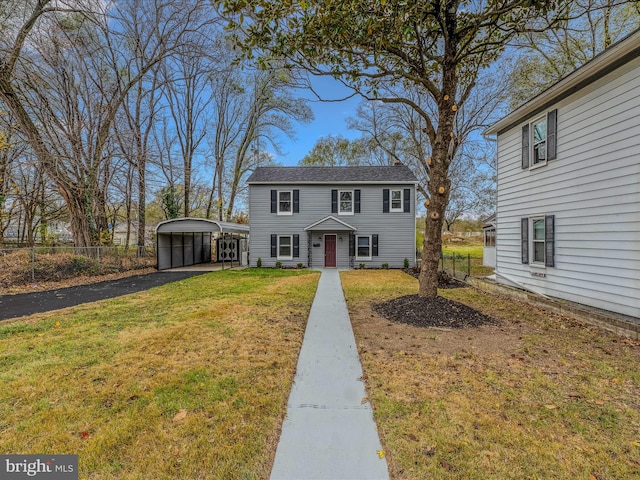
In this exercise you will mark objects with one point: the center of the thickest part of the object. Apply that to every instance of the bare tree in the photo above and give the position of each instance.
(66, 88)
(186, 89)
(540, 59)
(271, 109)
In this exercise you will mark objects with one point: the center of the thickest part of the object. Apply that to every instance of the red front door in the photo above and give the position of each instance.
(329, 250)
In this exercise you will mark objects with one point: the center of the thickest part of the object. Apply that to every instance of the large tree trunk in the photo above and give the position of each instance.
(142, 209)
(79, 218)
(439, 186)
(443, 150)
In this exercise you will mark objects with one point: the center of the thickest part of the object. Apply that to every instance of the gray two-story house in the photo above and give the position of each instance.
(325, 217)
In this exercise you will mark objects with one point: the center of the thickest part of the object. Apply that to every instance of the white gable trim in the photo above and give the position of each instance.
(327, 219)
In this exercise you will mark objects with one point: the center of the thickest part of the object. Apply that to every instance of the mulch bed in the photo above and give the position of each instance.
(433, 312)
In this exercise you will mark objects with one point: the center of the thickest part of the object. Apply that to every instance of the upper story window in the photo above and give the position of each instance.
(396, 200)
(285, 202)
(539, 140)
(345, 204)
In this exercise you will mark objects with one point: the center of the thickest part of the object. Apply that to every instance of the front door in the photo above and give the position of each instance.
(330, 250)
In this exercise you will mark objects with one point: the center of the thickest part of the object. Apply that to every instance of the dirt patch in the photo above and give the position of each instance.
(384, 338)
(432, 312)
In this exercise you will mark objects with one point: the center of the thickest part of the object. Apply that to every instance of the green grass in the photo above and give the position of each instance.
(537, 397)
(189, 380)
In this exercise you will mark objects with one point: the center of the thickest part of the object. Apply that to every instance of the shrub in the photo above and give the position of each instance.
(259, 262)
(299, 265)
(362, 266)
(385, 266)
(406, 263)
(278, 264)
(85, 265)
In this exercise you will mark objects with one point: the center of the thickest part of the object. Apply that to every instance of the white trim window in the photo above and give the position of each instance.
(363, 247)
(396, 201)
(285, 202)
(539, 141)
(345, 202)
(285, 247)
(537, 241)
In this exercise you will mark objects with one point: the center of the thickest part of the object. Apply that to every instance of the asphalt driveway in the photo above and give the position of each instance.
(13, 306)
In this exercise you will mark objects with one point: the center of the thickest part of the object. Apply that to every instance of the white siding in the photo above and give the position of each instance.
(592, 188)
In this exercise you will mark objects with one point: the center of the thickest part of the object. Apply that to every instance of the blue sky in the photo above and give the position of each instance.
(330, 119)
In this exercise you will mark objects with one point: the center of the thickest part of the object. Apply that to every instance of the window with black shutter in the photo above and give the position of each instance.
(385, 200)
(538, 240)
(524, 239)
(540, 140)
(296, 246)
(296, 201)
(549, 240)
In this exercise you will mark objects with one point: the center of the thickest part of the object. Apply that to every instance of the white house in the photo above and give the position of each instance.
(568, 210)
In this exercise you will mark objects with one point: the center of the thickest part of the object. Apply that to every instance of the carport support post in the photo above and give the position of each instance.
(219, 249)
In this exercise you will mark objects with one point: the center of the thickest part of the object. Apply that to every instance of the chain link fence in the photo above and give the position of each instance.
(463, 266)
(23, 266)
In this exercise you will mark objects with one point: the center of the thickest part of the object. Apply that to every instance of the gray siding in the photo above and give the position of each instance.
(592, 188)
(396, 231)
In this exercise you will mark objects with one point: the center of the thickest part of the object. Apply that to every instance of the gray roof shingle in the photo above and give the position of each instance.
(359, 174)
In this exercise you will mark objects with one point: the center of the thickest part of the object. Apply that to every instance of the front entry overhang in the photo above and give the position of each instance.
(330, 224)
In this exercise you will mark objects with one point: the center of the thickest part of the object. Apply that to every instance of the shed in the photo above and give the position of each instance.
(188, 241)
(489, 250)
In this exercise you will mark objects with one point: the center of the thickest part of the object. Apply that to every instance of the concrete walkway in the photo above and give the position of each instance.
(329, 432)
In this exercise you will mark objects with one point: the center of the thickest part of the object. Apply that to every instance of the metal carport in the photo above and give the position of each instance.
(182, 242)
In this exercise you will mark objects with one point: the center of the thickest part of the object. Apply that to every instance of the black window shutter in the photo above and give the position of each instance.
(407, 200)
(274, 245)
(296, 246)
(356, 202)
(525, 147)
(385, 200)
(334, 201)
(374, 245)
(524, 237)
(352, 245)
(296, 201)
(552, 134)
(274, 201)
(549, 240)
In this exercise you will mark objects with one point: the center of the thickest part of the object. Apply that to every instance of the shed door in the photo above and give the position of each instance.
(330, 250)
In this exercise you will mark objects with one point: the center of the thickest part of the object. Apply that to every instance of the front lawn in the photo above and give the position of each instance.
(537, 396)
(185, 381)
